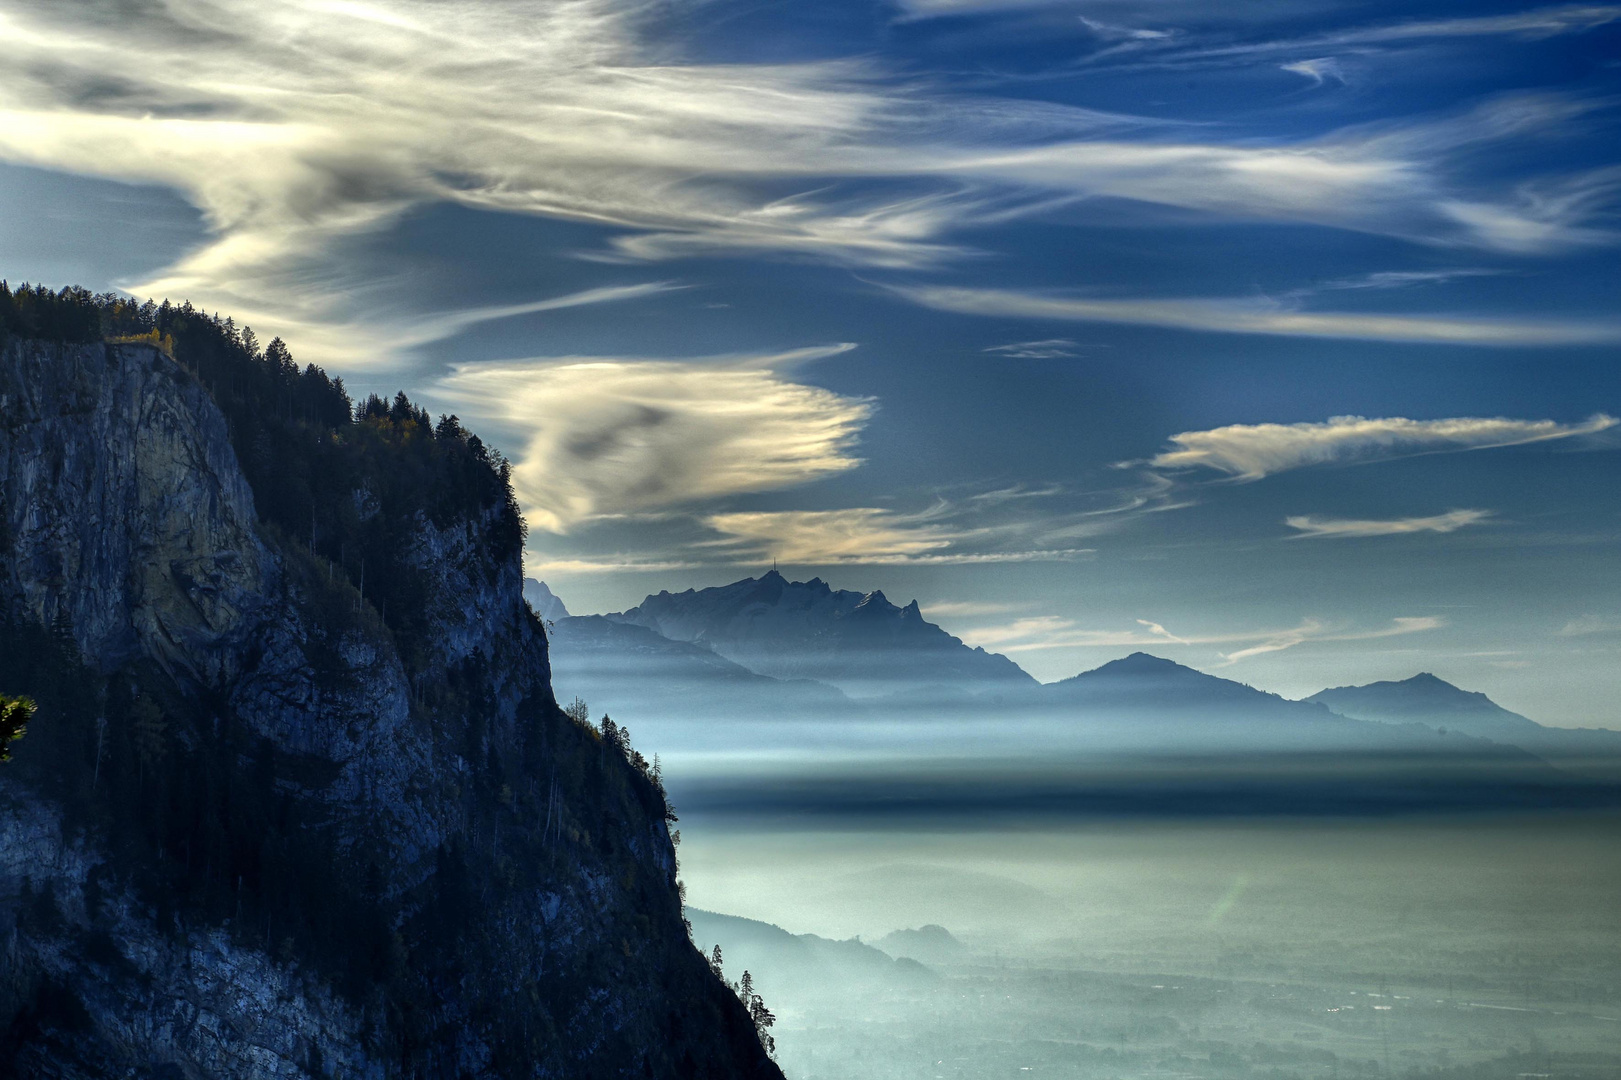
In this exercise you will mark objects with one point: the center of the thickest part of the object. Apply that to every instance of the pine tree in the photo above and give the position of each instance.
(14, 716)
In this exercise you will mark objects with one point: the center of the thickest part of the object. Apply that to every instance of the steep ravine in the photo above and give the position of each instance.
(263, 828)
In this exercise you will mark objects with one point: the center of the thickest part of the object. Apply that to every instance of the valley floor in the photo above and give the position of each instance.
(1479, 949)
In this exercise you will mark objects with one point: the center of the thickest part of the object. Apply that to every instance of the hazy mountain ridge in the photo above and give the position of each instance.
(778, 957)
(542, 600)
(263, 825)
(1437, 704)
(629, 670)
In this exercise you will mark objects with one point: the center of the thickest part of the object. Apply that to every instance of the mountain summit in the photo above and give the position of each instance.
(545, 603)
(860, 642)
(1435, 703)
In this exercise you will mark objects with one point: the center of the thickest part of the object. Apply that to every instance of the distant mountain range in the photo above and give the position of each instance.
(858, 642)
(769, 647)
(1437, 704)
(543, 601)
(780, 959)
(628, 670)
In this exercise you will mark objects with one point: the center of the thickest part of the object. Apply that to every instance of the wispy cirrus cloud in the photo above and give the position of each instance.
(298, 127)
(1319, 69)
(867, 536)
(1246, 316)
(1252, 451)
(1310, 527)
(1590, 625)
(611, 437)
(1047, 349)
(1311, 630)
(1047, 632)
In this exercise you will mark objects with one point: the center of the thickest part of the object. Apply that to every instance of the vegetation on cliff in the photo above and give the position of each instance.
(342, 481)
(542, 916)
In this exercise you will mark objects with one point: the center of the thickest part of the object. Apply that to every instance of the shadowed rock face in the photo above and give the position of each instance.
(393, 869)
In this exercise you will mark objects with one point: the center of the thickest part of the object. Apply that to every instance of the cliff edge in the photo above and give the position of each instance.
(298, 800)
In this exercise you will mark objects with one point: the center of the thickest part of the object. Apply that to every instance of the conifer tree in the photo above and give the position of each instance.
(14, 716)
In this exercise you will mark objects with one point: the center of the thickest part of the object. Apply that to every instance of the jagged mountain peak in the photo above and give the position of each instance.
(860, 642)
(547, 604)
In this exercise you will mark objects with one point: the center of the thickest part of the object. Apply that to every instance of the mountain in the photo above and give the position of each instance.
(858, 642)
(932, 944)
(1141, 682)
(1435, 703)
(298, 799)
(1147, 703)
(634, 673)
(544, 602)
(785, 963)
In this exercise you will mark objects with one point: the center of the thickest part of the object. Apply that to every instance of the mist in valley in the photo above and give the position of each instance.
(931, 865)
(1194, 948)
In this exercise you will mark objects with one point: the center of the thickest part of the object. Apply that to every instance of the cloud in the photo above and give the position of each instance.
(1529, 25)
(1451, 521)
(438, 327)
(862, 535)
(618, 563)
(1252, 451)
(1111, 32)
(1311, 630)
(946, 609)
(301, 126)
(1586, 625)
(1045, 632)
(1319, 70)
(1050, 349)
(1537, 23)
(1401, 279)
(1234, 316)
(606, 437)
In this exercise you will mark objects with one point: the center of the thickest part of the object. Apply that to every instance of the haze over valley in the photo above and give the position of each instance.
(839, 540)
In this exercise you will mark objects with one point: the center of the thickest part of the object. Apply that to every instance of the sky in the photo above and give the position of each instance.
(1279, 338)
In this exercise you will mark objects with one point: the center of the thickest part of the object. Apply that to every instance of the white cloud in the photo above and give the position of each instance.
(1451, 521)
(946, 609)
(540, 563)
(1234, 316)
(1319, 69)
(1401, 279)
(1049, 349)
(1311, 630)
(863, 535)
(299, 126)
(1585, 625)
(1046, 632)
(613, 437)
(1252, 451)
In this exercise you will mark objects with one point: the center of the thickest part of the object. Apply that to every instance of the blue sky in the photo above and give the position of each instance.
(1278, 338)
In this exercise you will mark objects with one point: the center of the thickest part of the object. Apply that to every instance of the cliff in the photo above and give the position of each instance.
(301, 803)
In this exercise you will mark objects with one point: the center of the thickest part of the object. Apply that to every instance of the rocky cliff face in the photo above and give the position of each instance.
(255, 831)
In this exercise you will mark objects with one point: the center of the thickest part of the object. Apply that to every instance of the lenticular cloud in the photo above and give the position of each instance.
(1252, 451)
